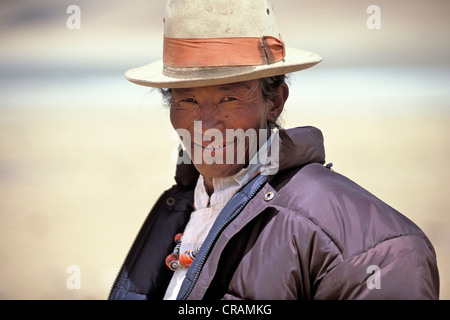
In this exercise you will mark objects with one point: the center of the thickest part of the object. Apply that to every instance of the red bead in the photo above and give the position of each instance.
(177, 238)
(172, 262)
(186, 259)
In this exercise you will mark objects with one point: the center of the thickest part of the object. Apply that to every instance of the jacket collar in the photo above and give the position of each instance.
(301, 146)
(298, 146)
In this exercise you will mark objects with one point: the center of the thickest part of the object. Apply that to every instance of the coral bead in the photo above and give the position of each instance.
(177, 238)
(186, 259)
(172, 262)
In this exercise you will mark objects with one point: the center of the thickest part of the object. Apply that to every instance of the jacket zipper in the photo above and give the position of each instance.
(216, 235)
(132, 243)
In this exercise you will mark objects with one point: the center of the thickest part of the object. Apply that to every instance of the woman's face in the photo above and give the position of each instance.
(210, 114)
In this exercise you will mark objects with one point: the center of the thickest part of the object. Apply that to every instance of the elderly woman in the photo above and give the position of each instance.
(254, 213)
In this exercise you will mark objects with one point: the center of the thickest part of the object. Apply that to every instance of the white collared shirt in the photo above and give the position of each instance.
(207, 209)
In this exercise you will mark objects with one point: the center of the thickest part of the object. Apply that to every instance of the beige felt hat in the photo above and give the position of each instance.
(212, 42)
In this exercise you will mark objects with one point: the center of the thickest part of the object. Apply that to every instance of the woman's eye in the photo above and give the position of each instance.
(189, 100)
(228, 99)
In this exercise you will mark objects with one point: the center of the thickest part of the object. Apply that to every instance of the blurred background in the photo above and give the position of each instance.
(84, 153)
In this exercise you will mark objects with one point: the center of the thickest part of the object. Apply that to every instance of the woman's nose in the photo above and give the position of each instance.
(211, 118)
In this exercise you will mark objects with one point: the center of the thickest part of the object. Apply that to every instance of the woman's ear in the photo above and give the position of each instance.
(277, 104)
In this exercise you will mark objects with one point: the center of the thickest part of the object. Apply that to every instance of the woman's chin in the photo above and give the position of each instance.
(218, 170)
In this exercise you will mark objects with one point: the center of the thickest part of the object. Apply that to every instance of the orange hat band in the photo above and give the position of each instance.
(222, 52)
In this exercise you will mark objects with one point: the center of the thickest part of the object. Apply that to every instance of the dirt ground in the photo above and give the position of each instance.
(75, 185)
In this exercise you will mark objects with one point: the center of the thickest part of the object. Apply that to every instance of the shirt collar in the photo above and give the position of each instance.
(225, 188)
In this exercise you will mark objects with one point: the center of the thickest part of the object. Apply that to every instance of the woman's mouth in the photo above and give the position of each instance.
(212, 153)
(213, 146)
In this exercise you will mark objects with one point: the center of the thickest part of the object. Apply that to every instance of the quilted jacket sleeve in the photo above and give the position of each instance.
(403, 267)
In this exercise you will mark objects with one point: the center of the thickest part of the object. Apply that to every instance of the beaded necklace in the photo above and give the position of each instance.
(175, 261)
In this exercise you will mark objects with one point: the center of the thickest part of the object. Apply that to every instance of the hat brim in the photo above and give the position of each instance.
(158, 76)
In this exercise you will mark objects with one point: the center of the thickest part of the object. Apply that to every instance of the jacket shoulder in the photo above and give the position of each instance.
(367, 233)
(353, 218)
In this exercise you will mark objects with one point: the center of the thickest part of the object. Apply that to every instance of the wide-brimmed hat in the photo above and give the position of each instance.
(212, 42)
